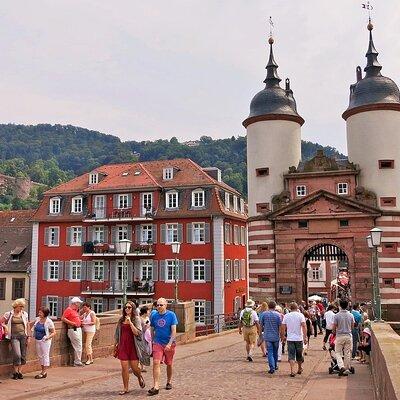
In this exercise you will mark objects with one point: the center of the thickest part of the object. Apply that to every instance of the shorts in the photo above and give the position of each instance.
(295, 351)
(162, 355)
(250, 334)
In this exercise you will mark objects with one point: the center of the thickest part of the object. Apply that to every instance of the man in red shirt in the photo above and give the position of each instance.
(74, 331)
(320, 316)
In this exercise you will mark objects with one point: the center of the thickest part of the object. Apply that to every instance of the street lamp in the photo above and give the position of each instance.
(123, 247)
(176, 248)
(373, 242)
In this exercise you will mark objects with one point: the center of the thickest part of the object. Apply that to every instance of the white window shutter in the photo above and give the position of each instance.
(154, 233)
(180, 233)
(189, 270)
(57, 236)
(181, 266)
(68, 270)
(207, 232)
(155, 270)
(46, 236)
(163, 233)
(207, 272)
(189, 228)
(45, 270)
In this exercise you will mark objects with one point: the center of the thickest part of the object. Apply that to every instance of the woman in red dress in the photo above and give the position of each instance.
(128, 326)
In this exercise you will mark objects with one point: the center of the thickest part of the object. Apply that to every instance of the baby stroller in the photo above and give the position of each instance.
(334, 367)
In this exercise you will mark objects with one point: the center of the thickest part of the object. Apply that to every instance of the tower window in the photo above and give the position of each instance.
(386, 164)
(389, 247)
(388, 282)
(301, 190)
(262, 171)
(303, 224)
(342, 188)
(388, 201)
(262, 207)
(343, 223)
(262, 249)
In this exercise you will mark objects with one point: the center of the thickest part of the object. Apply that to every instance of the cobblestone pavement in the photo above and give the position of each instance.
(225, 374)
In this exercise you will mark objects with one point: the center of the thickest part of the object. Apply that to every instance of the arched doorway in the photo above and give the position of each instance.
(325, 272)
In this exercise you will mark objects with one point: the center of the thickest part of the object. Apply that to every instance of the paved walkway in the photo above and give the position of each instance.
(211, 369)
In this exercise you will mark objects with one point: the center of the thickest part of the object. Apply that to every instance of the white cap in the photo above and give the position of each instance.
(75, 300)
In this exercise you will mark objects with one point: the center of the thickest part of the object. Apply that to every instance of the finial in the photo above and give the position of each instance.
(373, 67)
(272, 78)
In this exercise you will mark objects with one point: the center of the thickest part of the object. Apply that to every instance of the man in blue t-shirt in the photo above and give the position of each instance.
(356, 330)
(163, 324)
(270, 322)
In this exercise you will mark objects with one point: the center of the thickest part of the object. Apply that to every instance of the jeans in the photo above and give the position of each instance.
(18, 347)
(356, 338)
(272, 348)
(327, 334)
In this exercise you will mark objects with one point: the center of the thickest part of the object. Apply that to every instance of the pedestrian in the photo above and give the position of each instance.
(43, 331)
(309, 329)
(17, 331)
(294, 325)
(328, 317)
(270, 322)
(88, 318)
(343, 324)
(281, 348)
(250, 328)
(358, 318)
(163, 331)
(365, 346)
(74, 331)
(259, 310)
(129, 326)
(320, 316)
(144, 316)
(313, 311)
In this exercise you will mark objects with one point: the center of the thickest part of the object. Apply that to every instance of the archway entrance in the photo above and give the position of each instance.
(325, 272)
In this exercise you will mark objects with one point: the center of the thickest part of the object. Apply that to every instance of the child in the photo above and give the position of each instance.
(365, 346)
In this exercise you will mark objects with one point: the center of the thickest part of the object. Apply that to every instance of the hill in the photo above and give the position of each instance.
(51, 154)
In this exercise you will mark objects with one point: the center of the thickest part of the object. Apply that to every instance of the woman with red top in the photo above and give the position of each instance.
(128, 327)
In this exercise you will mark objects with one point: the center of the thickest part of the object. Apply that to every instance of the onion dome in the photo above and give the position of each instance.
(273, 102)
(374, 91)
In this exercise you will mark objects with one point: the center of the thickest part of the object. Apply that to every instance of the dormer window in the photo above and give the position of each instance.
(77, 205)
(93, 178)
(55, 205)
(198, 198)
(301, 190)
(168, 174)
(171, 199)
(342, 188)
(227, 200)
(235, 204)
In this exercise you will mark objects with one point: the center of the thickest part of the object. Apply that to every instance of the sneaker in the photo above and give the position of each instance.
(88, 362)
(271, 371)
(343, 372)
(250, 358)
(78, 364)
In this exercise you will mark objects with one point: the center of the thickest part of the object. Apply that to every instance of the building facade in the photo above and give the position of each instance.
(307, 220)
(78, 227)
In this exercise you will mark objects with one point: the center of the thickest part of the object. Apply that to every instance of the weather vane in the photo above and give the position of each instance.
(367, 6)
(271, 26)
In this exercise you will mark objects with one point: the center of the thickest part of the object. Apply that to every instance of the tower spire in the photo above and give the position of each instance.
(272, 78)
(373, 67)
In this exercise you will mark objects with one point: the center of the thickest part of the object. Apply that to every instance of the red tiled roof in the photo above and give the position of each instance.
(15, 218)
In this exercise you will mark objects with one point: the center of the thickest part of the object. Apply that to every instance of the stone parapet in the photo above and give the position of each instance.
(385, 360)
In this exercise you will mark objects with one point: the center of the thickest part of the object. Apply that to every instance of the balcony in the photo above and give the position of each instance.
(119, 215)
(101, 250)
(115, 288)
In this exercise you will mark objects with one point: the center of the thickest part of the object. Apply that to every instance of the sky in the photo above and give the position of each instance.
(144, 70)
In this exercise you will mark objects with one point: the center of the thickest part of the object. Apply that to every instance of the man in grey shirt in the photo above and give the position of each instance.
(343, 323)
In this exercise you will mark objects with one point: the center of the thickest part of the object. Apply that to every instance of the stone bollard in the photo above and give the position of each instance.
(186, 323)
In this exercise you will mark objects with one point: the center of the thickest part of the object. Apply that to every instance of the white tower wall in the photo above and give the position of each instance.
(273, 144)
(374, 136)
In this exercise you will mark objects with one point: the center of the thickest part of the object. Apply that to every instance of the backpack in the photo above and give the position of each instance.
(247, 319)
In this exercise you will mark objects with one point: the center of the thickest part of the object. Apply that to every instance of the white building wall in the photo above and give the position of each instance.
(34, 271)
(218, 266)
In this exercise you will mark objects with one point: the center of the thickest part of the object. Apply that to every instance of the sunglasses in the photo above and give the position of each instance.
(128, 307)
(160, 305)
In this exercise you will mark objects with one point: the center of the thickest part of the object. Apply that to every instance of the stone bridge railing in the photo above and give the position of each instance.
(103, 342)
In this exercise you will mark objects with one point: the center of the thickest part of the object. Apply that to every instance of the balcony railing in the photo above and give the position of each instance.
(216, 323)
(115, 287)
(100, 214)
(109, 250)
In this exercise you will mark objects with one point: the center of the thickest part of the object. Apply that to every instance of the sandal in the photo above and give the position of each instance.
(153, 391)
(142, 384)
(300, 371)
(41, 376)
(292, 375)
(122, 392)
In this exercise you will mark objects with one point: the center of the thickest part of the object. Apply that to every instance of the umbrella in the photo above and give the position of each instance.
(315, 297)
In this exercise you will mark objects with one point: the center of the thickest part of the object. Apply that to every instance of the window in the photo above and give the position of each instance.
(52, 236)
(147, 270)
(119, 303)
(122, 232)
(235, 204)
(389, 247)
(303, 224)
(147, 202)
(242, 206)
(53, 272)
(198, 198)
(52, 303)
(228, 269)
(262, 171)
(93, 178)
(264, 279)
(243, 235)
(97, 305)
(2, 288)
(172, 233)
(76, 236)
(386, 164)
(262, 207)
(123, 201)
(388, 201)
(55, 205)
(171, 199)
(199, 310)
(343, 223)
(76, 267)
(227, 233)
(146, 233)
(315, 273)
(343, 188)
(168, 174)
(388, 282)
(170, 264)
(98, 234)
(301, 190)
(262, 249)
(198, 270)
(236, 234)
(77, 205)
(198, 232)
(227, 201)
(98, 271)
(236, 270)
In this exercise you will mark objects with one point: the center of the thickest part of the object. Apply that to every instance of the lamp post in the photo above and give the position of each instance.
(123, 246)
(176, 248)
(373, 242)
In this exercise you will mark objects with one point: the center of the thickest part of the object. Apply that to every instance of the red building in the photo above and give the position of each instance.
(153, 204)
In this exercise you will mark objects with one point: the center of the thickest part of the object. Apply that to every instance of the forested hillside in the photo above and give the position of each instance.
(51, 154)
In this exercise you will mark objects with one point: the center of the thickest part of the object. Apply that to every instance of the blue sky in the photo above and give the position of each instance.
(157, 69)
